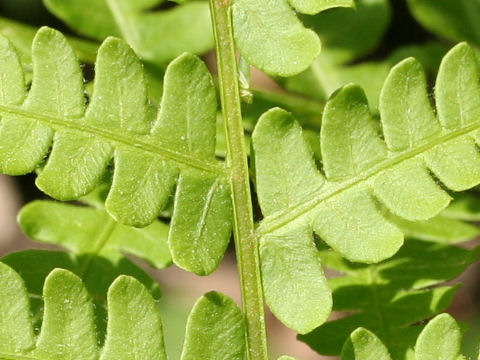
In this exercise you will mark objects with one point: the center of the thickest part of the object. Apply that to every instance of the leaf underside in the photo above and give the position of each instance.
(215, 330)
(68, 331)
(364, 177)
(96, 246)
(390, 298)
(134, 325)
(152, 155)
(440, 340)
(287, 47)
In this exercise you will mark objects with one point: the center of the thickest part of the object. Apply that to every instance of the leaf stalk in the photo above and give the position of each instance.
(244, 233)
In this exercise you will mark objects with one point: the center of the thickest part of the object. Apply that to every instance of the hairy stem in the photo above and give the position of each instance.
(244, 234)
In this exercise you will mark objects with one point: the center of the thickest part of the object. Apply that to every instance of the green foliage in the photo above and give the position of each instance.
(287, 47)
(21, 36)
(362, 29)
(343, 197)
(364, 345)
(215, 330)
(96, 244)
(68, 331)
(134, 329)
(453, 20)
(150, 154)
(387, 298)
(365, 176)
(86, 230)
(439, 340)
(157, 36)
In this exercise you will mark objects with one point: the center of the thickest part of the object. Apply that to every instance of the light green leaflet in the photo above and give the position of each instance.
(440, 340)
(215, 330)
(157, 36)
(457, 20)
(465, 207)
(392, 297)
(364, 345)
(365, 176)
(441, 228)
(323, 78)
(151, 154)
(85, 230)
(134, 328)
(68, 331)
(96, 244)
(272, 38)
(21, 35)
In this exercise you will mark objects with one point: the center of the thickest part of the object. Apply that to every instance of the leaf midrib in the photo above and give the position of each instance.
(161, 150)
(6, 356)
(284, 217)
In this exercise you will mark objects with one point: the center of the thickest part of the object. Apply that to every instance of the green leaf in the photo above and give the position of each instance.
(21, 36)
(293, 279)
(387, 298)
(68, 330)
(440, 340)
(149, 153)
(97, 245)
(97, 272)
(438, 229)
(287, 286)
(157, 36)
(455, 20)
(287, 47)
(342, 206)
(327, 73)
(134, 325)
(85, 230)
(215, 330)
(17, 330)
(315, 6)
(466, 207)
(364, 345)
(362, 30)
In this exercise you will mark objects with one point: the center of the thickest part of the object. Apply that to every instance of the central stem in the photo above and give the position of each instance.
(244, 234)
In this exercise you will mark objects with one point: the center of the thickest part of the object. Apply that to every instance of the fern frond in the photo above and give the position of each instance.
(387, 298)
(157, 36)
(86, 230)
(271, 37)
(440, 339)
(134, 329)
(68, 330)
(365, 176)
(325, 76)
(151, 155)
(96, 245)
(215, 330)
